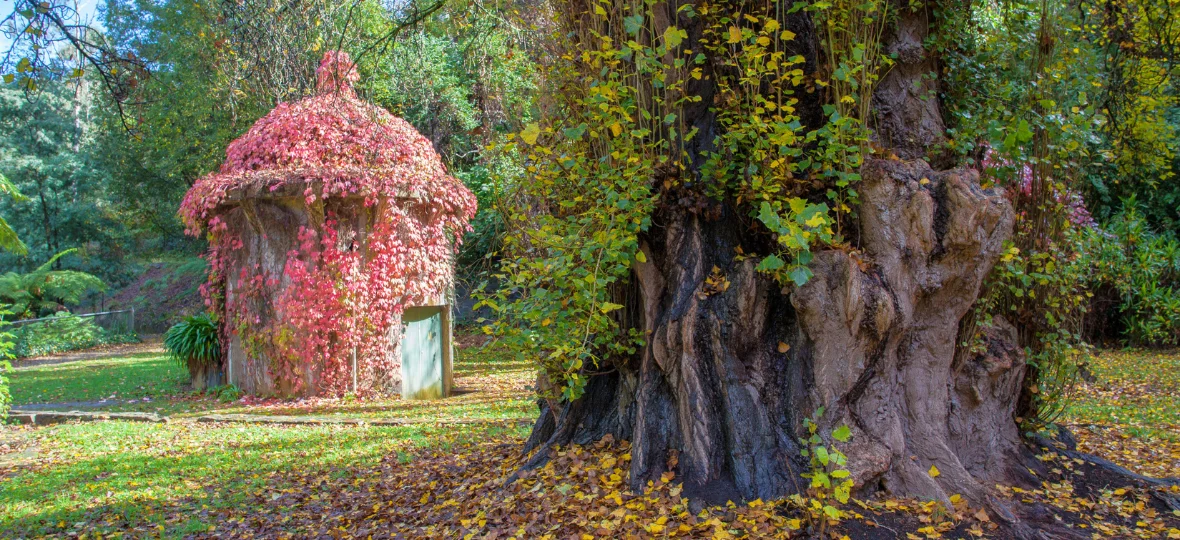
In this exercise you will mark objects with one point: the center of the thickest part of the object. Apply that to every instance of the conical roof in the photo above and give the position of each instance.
(329, 145)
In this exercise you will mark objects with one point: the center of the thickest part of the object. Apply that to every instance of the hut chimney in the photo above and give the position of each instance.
(336, 74)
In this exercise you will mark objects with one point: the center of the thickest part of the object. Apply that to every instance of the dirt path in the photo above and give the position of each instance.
(153, 344)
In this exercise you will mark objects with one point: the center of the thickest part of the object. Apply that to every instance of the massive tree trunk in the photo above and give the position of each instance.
(720, 391)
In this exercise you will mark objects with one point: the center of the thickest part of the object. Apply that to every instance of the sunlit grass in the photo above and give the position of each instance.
(159, 478)
(166, 479)
(491, 384)
(135, 376)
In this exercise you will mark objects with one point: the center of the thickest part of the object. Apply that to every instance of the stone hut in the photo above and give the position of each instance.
(332, 228)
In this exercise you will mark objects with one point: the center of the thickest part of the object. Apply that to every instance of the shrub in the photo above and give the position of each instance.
(196, 344)
(831, 482)
(63, 332)
(1142, 268)
(7, 342)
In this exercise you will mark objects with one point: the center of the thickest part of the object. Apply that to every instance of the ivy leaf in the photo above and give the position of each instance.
(842, 492)
(1023, 133)
(530, 133)
(639, 256)
(771, 263)
(800, 275)
(735, 34)
(574, 133)
(674, 36)
(608, 307)
(770, 218)
(632, 24)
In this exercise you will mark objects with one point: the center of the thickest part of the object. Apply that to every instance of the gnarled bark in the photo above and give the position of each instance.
(871, 340)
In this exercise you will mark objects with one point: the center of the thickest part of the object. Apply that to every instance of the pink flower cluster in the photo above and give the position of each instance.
(338, 299)
(1079, 215)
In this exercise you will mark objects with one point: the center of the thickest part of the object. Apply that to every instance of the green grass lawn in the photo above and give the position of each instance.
(167, 479)
(1136, 390)
(164, 479)
(175, 479)
(1129, 412)
(491, 384)
(135, 376)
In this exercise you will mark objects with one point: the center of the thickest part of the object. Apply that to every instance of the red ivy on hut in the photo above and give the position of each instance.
(337, 299)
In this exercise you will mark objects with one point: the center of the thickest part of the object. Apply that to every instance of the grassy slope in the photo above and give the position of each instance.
(163, 293)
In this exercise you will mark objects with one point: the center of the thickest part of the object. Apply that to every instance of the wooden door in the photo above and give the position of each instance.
(422, 353)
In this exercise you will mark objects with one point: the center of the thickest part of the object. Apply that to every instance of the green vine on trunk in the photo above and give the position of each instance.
(610, 142)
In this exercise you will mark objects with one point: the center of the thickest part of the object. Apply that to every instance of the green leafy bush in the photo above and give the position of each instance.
(64, 332)
(1142, 267)
(194, 342)
(7, 342)
(831, 482)
(9, 241)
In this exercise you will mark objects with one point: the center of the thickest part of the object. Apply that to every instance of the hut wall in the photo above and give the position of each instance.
(269, 232)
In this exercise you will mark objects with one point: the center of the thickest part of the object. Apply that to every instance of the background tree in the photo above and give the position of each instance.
(47, 153)
(9, 241)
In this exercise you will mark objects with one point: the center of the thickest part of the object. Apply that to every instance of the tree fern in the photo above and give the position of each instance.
(8, 239)
(45, 289)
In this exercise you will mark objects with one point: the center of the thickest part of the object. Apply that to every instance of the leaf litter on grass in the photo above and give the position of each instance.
(452, 484)
(1129, 411)
(466, 491)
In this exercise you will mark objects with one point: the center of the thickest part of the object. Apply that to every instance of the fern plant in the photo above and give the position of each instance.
(194, 341)
(45, 290)
(8, 238)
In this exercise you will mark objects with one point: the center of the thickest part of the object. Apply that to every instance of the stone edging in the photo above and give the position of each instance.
(322, 421)
(45, 418)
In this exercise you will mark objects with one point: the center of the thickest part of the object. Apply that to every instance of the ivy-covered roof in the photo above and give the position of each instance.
(332, 144)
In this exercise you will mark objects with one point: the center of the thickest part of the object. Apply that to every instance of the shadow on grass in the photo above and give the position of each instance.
(471, 368)
(150, 375)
